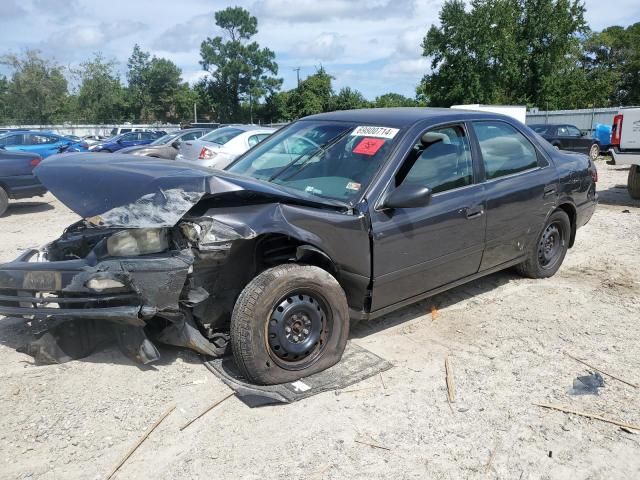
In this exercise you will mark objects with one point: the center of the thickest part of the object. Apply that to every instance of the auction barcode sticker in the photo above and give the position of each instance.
(379, 132)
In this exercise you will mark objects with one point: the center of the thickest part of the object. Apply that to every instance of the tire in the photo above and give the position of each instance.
(594, 151)
(633, 182)
(4, 201)
(304, 299)
(547, 255)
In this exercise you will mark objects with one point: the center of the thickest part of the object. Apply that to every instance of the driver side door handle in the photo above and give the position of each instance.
(474, 212)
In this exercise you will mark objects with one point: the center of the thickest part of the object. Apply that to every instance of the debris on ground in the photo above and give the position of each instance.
(588, 415)
(207, 410)
(142, 439)
(587, 384)
(601, 371)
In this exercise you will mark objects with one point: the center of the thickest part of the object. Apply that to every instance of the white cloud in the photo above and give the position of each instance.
(326, 46)
(314, 11)
(415, 67)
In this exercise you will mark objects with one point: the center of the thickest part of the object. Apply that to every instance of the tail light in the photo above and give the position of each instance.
(35, 162)
(616, 130)
(594, 173)
(206, 154)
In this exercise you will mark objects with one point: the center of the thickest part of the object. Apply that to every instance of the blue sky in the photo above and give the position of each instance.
(370, 45)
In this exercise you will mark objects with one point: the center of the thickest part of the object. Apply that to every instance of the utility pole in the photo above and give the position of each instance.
(297, 70)
(195, 113)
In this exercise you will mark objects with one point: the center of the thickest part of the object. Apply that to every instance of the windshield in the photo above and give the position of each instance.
(165, 139)
(222, 135)
(328, 159)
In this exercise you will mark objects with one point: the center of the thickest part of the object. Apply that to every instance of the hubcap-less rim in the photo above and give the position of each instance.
(550, 246)
(595, 151)
(298, 329)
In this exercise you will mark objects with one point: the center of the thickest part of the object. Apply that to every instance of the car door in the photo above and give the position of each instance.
(563, 138)
(12, 142)
(578, 142)
(521, 188)
(416, 250)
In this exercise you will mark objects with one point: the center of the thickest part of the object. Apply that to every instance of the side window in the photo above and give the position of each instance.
(573, 131)
(256, 139)
(190, 136)
(563, 132)
(148, 136)
(504, 149)
(38, 139)
(12, 140)
(440, 160)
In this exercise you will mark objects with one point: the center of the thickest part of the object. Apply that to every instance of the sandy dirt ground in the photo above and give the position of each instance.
(506, 338)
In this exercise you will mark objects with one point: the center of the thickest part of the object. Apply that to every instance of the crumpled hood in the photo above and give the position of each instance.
(119, 190)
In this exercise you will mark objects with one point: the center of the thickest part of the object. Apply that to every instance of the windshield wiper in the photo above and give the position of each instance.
(320, 149)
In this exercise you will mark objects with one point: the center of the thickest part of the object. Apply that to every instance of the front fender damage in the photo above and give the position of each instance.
(164, 296)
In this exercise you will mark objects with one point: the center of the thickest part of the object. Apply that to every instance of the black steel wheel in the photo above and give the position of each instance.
(289, 322)
(550, 245)
(546, 256)
(298, 329)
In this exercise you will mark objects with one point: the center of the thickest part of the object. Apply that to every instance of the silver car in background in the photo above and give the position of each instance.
(219, 148)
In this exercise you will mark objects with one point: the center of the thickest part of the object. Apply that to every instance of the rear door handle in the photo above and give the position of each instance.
(549, 190)
(474, 212)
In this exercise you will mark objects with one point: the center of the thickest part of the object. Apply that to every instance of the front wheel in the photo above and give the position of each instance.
(594, 151)
(546, 256)
(289, 322)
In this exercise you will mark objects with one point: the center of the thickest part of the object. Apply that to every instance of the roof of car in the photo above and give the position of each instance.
(400, 117)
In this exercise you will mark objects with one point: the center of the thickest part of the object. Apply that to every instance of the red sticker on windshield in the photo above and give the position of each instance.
(369, 146)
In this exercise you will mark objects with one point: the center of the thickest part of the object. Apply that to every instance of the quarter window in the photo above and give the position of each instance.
(440, 160)
(504, 149)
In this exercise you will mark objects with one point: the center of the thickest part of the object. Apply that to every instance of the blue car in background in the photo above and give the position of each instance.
(42, 143)
(129, 139)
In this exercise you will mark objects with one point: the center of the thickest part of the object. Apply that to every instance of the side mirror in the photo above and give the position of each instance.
(408, 195)
(176, 144)
(119, 141)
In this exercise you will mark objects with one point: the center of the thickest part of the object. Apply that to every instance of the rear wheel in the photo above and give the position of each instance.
(594, 151)
(633, 181)
(546, 256)
(289, 322)
(4, 201)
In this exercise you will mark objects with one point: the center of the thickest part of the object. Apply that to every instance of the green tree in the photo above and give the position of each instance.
(505, 51)
(4, 99)
(240, 71)
(314, 95)
(100, 97)
(612, 59)
(349, 99)
(389, 100)
(156, 91)
(37, 92)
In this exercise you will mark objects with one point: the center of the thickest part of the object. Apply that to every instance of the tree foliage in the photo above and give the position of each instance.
(507, 51)
(240, 70)
(37, 91)
(100, 97)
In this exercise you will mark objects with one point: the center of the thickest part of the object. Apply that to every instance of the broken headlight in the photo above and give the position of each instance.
(142, 241)
(212, 233)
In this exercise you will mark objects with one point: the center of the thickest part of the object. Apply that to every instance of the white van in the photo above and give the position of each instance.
(625, 146)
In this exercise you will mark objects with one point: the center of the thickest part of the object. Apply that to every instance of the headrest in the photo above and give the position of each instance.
(432, 137)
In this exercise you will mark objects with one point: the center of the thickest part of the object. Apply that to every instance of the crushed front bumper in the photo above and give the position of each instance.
(58, 289)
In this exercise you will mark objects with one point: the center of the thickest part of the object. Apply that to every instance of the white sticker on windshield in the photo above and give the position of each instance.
(379, 132)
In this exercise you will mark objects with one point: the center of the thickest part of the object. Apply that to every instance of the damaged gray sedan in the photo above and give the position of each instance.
(337, 216)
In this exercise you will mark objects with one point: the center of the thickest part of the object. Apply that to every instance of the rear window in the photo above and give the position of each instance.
(222, 135)
(541, 129)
